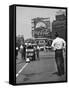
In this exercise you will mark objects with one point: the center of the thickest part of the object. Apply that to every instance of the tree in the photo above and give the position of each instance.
(19, 40)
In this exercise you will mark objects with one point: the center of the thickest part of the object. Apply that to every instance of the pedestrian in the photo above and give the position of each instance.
(34, 48)
(21, 50)
(37, 52)
(24, 51)
(59, 45)
(17, 49)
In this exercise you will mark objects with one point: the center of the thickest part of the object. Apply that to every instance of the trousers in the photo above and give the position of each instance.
(59, 61)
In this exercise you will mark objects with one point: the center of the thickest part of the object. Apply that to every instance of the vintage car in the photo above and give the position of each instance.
(30, 52)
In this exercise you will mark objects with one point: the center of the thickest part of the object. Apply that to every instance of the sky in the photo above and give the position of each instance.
(24, 16)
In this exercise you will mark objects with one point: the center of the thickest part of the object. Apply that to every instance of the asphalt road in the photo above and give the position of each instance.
(43, 70)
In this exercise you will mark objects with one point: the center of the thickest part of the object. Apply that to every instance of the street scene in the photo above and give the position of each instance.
(40, 45)
(43, 70)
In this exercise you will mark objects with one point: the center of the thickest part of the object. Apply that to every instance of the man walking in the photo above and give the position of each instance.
(59, 45)
(21, 50)
(24, 51)
(17, 49)
(37, 52)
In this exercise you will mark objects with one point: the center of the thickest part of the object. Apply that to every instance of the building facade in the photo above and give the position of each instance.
(41, 30)
(59, 26)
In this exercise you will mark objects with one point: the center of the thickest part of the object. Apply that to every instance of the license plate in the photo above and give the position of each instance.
(30, 54)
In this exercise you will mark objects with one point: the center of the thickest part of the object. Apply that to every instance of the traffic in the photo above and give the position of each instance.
(31, 50)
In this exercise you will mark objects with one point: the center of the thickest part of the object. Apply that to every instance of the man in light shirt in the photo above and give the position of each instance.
(59, 45)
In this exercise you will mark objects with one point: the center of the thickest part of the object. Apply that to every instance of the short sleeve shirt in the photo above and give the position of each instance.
(58, 43)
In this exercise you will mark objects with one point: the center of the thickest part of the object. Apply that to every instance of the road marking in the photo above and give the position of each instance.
(21, 69)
